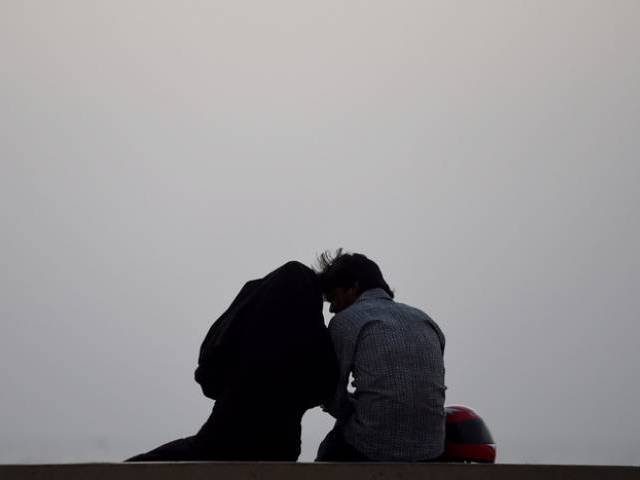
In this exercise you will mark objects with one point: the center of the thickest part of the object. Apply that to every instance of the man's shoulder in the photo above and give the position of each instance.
(370, 307)
(411, 310)
(348, 316)
(423, 318)
(403, 312)
(351, 319)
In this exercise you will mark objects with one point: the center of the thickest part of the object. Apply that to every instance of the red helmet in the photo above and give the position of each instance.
(467, 437)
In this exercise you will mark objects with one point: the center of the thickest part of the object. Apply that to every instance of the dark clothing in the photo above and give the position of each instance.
(236, 431)
(271, 339)
(334, 448)
(265, 361)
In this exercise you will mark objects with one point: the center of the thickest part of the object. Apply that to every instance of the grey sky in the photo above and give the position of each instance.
(157, 154)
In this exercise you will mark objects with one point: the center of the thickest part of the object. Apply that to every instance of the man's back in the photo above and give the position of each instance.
(395, 353)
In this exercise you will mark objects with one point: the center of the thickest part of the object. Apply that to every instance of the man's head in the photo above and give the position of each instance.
(344, 276)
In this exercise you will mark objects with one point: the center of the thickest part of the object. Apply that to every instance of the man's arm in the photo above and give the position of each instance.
(339, 405)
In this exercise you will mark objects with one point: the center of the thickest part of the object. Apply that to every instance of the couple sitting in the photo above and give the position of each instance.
(269, 358)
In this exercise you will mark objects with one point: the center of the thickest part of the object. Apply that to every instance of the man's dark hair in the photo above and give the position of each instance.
(346, 270)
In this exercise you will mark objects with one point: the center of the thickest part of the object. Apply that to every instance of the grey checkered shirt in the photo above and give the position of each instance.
(395, 354)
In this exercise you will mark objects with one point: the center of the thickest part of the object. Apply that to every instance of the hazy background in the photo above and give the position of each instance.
(157, 154)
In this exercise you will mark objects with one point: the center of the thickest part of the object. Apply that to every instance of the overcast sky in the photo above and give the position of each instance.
(155, 155)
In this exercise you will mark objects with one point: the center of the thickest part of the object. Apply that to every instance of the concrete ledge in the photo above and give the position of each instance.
(312, 471)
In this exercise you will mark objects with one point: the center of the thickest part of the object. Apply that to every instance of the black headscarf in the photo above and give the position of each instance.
(271, 341)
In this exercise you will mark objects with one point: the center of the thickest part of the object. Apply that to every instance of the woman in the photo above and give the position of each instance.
(265, 361)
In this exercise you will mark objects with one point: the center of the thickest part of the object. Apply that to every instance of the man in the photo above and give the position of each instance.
(265, 361)
(395, 354)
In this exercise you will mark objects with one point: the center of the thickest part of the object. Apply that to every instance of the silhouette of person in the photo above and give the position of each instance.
(265, 361)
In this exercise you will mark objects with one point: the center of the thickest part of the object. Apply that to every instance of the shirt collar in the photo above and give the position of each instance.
(377, 293)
